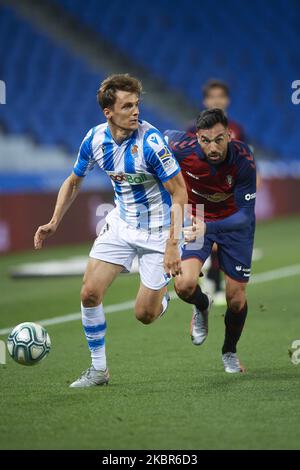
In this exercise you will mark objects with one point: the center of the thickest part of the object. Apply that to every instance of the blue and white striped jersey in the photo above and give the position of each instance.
(137, 168)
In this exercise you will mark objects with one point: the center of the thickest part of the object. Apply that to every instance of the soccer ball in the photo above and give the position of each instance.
(28, 343)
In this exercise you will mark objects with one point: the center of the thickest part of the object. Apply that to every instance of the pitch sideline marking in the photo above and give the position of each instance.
(267, 276)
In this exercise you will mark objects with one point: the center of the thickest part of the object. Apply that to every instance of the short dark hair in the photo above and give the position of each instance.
(210, 117)
(213, 83)
(106, 94)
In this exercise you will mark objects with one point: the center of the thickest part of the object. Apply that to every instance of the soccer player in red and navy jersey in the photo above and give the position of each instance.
(219, 173)
(216, 94)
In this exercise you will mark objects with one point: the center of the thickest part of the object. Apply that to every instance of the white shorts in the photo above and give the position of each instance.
(119, 243)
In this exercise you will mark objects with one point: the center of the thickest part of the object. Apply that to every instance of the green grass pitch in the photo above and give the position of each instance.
(164, 392)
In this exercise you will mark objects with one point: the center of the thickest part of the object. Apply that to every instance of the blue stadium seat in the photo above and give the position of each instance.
(253, 48)
(51, 93)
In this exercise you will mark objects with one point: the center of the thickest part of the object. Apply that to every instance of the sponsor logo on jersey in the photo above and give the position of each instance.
(130, 178)
(216, 197)
(249, 196)
(153, 139)
(164, 153)
(169, 163)
(155, 142)
(193, 176)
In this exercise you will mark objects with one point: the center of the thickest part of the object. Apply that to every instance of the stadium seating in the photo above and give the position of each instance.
(253, 48)
(51, 93)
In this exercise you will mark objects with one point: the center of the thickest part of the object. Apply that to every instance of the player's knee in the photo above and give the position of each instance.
(185, 287)
(236, 302)
(145, 316)
(89, 297)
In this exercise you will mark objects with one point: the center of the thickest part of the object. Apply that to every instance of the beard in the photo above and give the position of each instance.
(215, 157)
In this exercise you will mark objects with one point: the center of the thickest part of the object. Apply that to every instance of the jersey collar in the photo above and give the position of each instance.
(132, 137)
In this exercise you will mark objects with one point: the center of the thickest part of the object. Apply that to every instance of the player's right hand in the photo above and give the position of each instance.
(43, 232)
(172, 260)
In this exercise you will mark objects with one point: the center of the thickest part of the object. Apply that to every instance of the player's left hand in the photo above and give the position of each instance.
(195, 230)
(172, 260)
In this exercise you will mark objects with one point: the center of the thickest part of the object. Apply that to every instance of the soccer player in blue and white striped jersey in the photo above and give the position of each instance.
(148, 189)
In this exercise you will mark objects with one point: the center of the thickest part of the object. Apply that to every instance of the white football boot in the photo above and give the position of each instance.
(91, 377)
(231, 363)
(199, 323)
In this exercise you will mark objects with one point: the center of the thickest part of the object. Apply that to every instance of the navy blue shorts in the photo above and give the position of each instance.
(234, 251)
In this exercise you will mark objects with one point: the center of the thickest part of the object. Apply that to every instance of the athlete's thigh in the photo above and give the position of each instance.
(194, 256)
(149, 299)
(153, 277)
(191, 270)
(151, 269)
(113, 245)
(100, 274)
(235, 254)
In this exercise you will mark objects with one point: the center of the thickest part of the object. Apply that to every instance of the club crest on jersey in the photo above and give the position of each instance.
(229, 180)
(134, 150)
(103, 148)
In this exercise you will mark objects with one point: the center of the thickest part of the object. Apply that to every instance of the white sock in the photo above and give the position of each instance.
(164, 304)
(94, 325)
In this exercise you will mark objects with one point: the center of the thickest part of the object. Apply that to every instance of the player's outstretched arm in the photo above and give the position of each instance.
(66, 195)
(176, 187)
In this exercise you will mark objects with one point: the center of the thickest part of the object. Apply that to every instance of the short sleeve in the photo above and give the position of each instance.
(181, 143)
(159, 156)
(85, 160)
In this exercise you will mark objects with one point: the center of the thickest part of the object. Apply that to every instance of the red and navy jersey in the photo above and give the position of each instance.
(227, 190)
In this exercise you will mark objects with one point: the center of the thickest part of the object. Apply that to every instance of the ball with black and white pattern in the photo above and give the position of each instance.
(28, 343)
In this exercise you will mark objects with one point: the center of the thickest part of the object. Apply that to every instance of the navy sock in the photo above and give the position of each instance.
(197, 298)
(234, 323)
